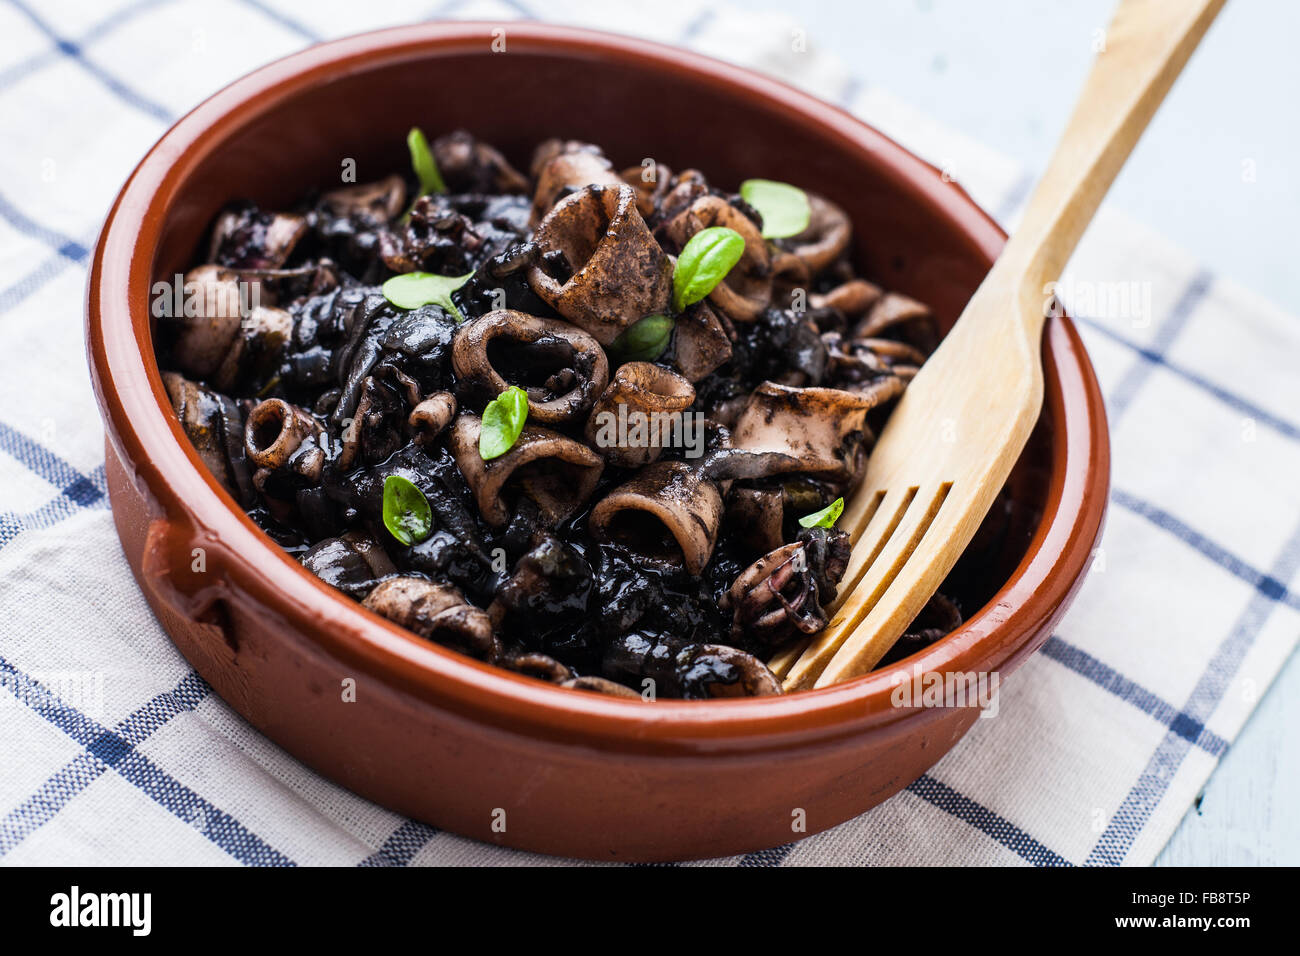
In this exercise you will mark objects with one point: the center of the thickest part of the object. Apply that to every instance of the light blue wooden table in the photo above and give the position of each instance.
(1005, 73)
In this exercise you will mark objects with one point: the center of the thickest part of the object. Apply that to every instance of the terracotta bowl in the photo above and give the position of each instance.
(444, 738)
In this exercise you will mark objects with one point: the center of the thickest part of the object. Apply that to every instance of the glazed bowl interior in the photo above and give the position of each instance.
(295, 127)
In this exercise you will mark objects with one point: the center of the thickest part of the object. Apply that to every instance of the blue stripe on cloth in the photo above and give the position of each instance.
(958, 805)
(697, 24)
(853, 87)
(402, 845)
(1106, 677)
(186, 695)
(115, 749)
(54, 511)
(69, 249)
(98, 31)
(773, 856)
(1117, 839)
(283, 19)
(48, 465)
(53, 795)
(986, 821)
(187, 805)
(1231, 399)
(106, 79)
(1266, 584)
(30, 283)
(1193, 294)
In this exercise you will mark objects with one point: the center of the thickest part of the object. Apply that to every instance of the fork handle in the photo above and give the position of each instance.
(1144, 49)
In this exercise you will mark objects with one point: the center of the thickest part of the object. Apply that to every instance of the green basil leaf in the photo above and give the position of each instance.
(407, 515)
(643, 340)
(705, 262)
(784, 208)
(422, 161)
(503, 420)
(414, 289)
(825, 518)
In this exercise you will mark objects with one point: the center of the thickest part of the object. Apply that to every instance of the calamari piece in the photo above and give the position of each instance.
(600, 267)
(634, 419)
(667, 510)
(561, 367)
(437, 612)
(554, 471)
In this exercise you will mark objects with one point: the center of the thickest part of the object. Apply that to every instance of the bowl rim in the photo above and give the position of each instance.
(144, 431)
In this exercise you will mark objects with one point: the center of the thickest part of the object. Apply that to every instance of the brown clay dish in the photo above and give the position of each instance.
(449, 740)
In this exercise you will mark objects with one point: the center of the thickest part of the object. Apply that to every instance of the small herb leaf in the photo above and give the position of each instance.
(407, 515)
(414, 289)
(705, 262)
(503, 420)
(643, 340)
(784, 208)
(422, 161)
(825, 518)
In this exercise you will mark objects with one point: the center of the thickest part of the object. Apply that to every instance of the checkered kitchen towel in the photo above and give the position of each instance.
(113, 751)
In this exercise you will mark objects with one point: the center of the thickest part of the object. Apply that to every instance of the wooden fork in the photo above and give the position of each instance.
(963, 421)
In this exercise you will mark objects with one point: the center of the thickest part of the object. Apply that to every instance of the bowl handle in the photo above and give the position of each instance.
(187, 577)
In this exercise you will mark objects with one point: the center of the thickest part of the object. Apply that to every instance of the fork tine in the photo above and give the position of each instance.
(783, 660)
(885, 621)
(869, 520)
(898, 541)
(862, 507)
(878, 521)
